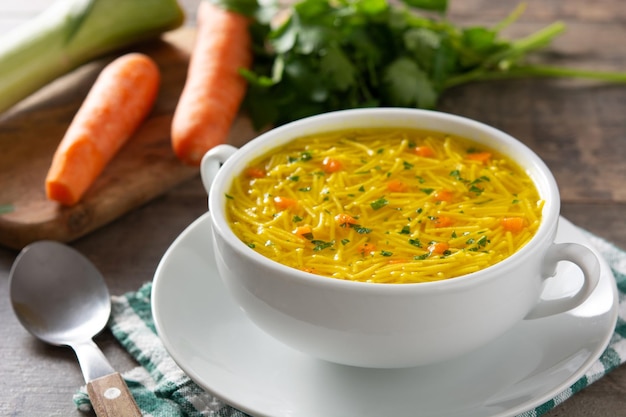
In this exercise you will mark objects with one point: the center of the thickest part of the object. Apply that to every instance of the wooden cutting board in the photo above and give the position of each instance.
(143, 169)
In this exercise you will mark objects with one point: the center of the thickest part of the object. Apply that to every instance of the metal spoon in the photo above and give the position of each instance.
(61, 298)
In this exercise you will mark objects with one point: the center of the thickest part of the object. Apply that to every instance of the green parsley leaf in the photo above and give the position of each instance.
(456, 174)
(476, 190)
(321, 245)
(378, 204)
(408, 85)
(327, 55)
(436, 5)
(415, 242)
(361, 230)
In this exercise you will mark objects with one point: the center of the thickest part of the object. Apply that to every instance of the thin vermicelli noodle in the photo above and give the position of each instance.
(384, 205)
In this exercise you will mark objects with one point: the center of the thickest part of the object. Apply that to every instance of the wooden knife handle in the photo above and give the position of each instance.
(110, 397)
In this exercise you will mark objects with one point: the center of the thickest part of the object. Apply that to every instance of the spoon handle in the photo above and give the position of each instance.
(110, 397)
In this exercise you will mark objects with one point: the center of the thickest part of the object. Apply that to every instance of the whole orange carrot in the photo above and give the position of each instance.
(121, 97)
(214, 89)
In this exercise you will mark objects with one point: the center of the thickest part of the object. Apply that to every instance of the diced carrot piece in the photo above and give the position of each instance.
(424, 151)
(366, 248)
(396, 186)
(438, 248)
(330, 165)
(283, 203)
(344, 219)
(482, 157)
(254, 172)
(443, 195)
(443, 221)
(397, 261)
(513, 224)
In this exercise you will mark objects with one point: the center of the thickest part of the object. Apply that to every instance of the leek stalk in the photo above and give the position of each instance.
(72, 32)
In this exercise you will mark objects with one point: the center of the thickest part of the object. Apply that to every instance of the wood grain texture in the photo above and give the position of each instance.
(143, 169)
(579, 128)
(110, 397)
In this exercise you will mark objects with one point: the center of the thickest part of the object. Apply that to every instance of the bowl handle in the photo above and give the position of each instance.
(588, 263)
(211, 163)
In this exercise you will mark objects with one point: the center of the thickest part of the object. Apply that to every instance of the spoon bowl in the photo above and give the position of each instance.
(57, 294)
(61, 298)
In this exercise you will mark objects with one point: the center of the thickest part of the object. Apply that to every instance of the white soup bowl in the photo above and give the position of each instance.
(391, 325)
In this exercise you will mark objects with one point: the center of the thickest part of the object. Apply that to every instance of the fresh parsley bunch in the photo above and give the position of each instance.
(316, 56)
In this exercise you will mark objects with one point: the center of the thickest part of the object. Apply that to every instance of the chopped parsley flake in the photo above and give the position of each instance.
(456, 174)
(415, 242)
(378, 204)
(361, 230)
(321, 245)
(476, 189)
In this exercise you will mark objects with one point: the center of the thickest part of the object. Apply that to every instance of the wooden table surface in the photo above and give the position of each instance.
(577, 127)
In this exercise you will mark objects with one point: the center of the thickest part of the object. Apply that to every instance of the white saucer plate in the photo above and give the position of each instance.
(213, 341)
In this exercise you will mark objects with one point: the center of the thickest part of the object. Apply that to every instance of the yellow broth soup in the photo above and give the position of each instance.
(384, 205)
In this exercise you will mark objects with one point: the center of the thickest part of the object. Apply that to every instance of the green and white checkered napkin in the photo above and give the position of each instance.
(163, 390)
